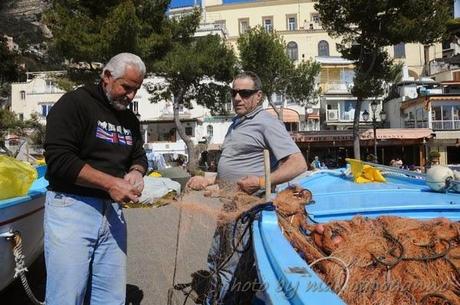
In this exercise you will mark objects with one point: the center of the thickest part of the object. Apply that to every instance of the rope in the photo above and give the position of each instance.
(341, 262)
(171, 290)
(20, 266)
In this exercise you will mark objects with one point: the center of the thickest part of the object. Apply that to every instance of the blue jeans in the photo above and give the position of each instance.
(85, 251)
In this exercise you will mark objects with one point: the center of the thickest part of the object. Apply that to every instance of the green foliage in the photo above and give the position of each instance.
(36, 130)
(265, 54)
(93, 31)
(8, 120)
(385, 22)
(301, 83)
(9, 70)
(31, 128)
(196, 69)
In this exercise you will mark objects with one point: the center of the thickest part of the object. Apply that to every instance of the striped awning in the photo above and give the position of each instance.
(288, 115)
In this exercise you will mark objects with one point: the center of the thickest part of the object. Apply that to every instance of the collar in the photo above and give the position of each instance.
(239, 119)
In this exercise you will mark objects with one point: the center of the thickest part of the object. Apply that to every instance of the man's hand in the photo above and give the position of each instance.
(136, 179)
(197, 183)
(249, 184)
(123, 191)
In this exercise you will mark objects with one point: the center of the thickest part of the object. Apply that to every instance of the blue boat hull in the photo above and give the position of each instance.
(24, 214)
(287, 278)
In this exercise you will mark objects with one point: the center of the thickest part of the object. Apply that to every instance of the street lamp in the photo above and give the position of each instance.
(383, 117)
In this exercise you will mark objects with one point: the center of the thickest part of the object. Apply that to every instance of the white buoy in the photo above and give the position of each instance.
(438, 176)
(457, 177)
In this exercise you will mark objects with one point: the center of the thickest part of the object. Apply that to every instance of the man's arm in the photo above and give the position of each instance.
(289, 168)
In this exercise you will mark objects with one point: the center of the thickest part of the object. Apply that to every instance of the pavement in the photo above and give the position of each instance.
(153, 237)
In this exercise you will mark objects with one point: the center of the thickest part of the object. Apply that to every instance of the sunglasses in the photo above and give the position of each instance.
(244, 93)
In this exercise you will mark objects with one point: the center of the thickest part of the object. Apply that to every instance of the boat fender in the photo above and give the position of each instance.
(438, 178)
(457, 178)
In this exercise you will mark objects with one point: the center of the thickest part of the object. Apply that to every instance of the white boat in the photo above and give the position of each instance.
(24, 215)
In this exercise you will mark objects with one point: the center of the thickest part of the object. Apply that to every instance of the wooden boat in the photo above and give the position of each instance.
(287, 277)
(25, 215)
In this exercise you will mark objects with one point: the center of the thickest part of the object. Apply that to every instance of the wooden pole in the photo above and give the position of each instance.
(268, 184)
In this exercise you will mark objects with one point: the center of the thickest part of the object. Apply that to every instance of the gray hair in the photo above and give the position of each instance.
(251, 75)
(117, 64)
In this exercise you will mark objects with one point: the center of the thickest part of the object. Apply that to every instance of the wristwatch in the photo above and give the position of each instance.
(137, 168)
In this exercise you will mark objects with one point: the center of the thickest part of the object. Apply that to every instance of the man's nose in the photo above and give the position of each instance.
(131, 94)
(237, 97)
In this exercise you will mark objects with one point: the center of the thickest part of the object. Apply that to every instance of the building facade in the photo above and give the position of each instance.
(36, 95)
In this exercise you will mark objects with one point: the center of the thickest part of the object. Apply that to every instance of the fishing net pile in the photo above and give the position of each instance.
(386, 260)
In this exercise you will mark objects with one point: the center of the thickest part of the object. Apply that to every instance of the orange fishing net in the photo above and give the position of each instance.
(390, 260)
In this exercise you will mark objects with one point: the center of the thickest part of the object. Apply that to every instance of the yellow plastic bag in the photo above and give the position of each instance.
(363, 173)
(16, 177)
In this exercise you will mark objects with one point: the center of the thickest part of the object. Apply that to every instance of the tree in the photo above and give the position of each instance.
(196, 69)
(367, 26)
(87, 33)
(9, 69)
(301, 82)
(264, 53)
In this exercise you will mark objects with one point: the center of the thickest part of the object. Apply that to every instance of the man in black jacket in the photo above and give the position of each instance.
(93, 149)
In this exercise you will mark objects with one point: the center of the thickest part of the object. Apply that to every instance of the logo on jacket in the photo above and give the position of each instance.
(113, 133)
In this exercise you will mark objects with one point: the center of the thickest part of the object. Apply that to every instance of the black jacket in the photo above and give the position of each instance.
(83, 128)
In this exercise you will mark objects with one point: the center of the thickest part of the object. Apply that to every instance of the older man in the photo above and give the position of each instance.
(93, 149)
(242, 162)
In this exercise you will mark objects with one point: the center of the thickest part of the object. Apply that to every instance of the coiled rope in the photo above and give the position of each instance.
(20, 268)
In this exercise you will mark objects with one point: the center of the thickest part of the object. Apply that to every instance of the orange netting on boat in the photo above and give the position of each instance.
(387, 260)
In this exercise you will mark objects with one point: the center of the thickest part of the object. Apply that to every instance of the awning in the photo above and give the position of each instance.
(396, 133)
(289, 115)
(365, 135)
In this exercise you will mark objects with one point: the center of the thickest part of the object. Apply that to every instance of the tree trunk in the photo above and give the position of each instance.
(277, 111)
(356, 146)
(426, 60)
(192, 157)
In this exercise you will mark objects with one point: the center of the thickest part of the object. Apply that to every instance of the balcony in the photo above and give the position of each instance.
(332, 87)
(415, 124)
(446, 125)
(211, 29)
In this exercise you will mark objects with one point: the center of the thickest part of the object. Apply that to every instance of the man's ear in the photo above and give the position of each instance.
(106, 76)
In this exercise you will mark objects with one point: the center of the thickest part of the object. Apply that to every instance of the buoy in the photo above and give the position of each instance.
(438, 177)
(457, 177)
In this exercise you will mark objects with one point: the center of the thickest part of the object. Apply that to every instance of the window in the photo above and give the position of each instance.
(243, 25)
(268, 23)
(49, 85)
(23, 95)
(400, 50)
(189, 131)
(323, 48)
(291, 23)
(210, 131)
(447, 112)
(220, 24)
(21, 116)
(436, 113)
(45, 109)
(315, 18)
(278, 99)
(292, 51)
(291, 126)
